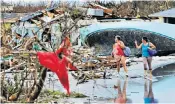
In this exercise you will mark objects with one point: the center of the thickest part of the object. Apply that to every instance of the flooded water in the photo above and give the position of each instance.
(121, 89)
(143, 92)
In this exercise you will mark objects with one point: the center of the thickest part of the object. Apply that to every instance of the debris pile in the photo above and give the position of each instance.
(44, 31)
(92, 66)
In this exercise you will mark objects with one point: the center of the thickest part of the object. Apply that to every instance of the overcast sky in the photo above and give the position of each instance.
(37, 1)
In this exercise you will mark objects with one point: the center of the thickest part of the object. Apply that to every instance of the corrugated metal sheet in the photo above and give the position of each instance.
(27, 17)
(32, 15)
(166, 13)
(95, 12)
(105, 10)
(49, 9)
(26, 30)
(12, 16)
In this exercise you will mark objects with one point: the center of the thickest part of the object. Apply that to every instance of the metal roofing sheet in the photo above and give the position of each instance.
(32, 15)
(12, 15)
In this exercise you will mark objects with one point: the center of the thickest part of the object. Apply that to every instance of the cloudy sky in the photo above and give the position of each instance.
(37, 1)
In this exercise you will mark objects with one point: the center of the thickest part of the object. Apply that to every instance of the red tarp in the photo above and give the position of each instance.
(51, 61)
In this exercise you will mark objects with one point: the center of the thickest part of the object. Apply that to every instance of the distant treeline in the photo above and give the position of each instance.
(135, 8)
(27, 7)
(120, 8)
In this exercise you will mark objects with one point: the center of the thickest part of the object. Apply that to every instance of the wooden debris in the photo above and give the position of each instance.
(17, 66)
(4, 51)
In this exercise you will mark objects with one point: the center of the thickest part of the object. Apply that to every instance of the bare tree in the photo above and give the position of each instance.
(68, 21)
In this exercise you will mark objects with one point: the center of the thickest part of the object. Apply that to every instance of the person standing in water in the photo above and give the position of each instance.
(147, 59)
(119, 54)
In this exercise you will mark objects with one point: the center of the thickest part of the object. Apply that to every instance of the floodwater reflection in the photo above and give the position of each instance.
(121, 97)
(148, 92)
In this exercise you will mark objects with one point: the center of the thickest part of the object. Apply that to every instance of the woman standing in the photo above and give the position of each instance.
(119, 54)
(147, 59)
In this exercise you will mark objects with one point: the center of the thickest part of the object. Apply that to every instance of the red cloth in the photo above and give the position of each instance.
(62, 74)
(64, 47)
(65, 51)
(48, 60)
(72, 67)
(51, 61)
(119, 50)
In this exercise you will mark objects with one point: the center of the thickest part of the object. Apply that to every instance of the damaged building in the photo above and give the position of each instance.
(44, 24)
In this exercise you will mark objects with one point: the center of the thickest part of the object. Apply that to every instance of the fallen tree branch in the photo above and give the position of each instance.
(17, 66)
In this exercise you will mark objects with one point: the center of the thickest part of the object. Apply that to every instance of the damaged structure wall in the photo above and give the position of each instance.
(46, 24)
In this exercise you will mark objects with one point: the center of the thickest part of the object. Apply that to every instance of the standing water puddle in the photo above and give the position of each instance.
(121, 89)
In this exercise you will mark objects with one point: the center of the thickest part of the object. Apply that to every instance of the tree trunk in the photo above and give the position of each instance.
(38, 87)
(166, 4)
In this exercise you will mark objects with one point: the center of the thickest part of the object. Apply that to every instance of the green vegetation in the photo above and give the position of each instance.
(61, 94)
(49, 95)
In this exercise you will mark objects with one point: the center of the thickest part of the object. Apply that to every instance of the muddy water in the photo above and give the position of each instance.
(137, 90)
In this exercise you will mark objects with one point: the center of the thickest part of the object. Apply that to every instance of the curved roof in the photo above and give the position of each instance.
(163, 29)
